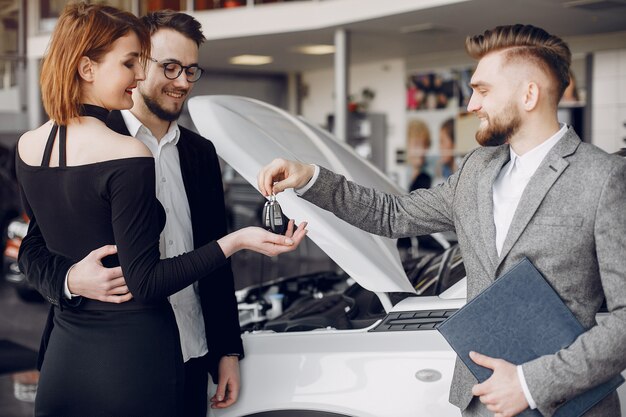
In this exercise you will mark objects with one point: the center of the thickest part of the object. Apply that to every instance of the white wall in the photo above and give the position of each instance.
(13, 124)
(386, 79)
(608, 117)
(10, 99)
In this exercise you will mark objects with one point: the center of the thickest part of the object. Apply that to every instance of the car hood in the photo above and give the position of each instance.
(248, 134)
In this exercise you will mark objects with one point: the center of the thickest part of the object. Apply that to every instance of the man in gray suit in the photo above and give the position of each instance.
(533, 189)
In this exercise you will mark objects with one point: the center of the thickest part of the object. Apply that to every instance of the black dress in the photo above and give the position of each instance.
(106, 359)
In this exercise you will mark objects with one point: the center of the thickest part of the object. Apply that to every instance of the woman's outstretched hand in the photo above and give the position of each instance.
(262, 241)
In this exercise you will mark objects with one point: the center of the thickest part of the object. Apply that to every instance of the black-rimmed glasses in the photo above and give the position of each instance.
(172, 70)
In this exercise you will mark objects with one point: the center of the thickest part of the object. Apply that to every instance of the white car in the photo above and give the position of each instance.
(373, 359)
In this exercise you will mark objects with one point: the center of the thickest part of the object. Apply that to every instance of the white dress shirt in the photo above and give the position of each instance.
(309, 184)
(177, 236)
(507, 192)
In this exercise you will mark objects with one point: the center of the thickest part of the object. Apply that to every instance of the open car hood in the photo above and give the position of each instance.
(248, 134)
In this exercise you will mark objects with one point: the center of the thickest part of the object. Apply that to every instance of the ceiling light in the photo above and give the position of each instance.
(251, 60)
(316, 49)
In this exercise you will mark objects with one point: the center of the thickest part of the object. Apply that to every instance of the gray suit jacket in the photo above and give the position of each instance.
(570, 222)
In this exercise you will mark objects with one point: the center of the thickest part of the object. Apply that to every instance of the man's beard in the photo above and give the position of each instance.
(500, 128)
(159, 111)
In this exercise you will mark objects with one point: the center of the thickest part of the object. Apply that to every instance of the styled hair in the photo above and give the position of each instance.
(527, 43)
(82, 30)
(180, 22)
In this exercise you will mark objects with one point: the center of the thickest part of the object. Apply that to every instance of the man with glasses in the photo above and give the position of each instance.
(172, 70)
(189, 186)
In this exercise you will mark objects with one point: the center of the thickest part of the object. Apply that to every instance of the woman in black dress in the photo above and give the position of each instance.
(88, 186)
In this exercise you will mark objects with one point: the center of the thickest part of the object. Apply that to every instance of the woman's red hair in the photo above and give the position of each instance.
(82, 30)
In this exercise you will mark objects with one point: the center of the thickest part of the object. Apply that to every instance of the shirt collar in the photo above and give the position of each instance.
(134, 126)
(528, 163)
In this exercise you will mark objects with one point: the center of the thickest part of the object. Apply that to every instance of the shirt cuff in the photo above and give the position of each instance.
(238, 355)
(309, 184)
(66, 288)
(522, 381)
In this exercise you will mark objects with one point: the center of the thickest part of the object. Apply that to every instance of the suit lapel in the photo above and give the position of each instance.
(185, 161)
(484, 195)
(192, 174)
(539, 185)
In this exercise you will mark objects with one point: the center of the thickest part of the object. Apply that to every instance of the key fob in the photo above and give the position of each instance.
(273, 219)
(278, 224)
(265, 220)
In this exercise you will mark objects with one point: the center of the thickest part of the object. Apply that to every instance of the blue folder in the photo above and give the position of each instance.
(519, 318)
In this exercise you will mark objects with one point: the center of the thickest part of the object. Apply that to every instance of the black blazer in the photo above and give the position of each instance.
(203, 185)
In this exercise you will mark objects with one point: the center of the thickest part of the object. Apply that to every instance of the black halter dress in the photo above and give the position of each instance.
(105, 359)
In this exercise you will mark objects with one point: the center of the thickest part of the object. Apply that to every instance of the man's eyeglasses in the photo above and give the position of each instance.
(172, 70)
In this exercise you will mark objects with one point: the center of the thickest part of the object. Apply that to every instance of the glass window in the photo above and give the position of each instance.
(207, 4)
(9, 32)
(120, 4)
(50, 10)
(152, 5)
(225, 4)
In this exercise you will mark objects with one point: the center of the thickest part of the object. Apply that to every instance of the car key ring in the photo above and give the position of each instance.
(273, 219)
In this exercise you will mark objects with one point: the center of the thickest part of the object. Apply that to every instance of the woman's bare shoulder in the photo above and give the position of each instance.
(31, 145)
(128, 146)
(95, 143)
(87, 143)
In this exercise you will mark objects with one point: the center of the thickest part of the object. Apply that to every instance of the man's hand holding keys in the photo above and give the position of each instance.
(281, 174)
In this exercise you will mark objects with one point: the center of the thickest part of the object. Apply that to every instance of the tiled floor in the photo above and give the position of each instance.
(21, 323)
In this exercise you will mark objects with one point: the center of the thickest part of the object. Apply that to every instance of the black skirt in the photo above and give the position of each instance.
(112, 364)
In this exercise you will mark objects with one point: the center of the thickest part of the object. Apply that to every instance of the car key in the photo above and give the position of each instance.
(265, 220)
(277, 220)
(273, 218)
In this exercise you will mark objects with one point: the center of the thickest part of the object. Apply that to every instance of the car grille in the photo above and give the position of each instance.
(412, 320)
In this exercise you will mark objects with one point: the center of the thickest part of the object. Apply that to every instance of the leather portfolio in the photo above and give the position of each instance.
(519, 318)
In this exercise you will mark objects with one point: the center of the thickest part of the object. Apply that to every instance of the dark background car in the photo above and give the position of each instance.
(13, 226)
(9, 200)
